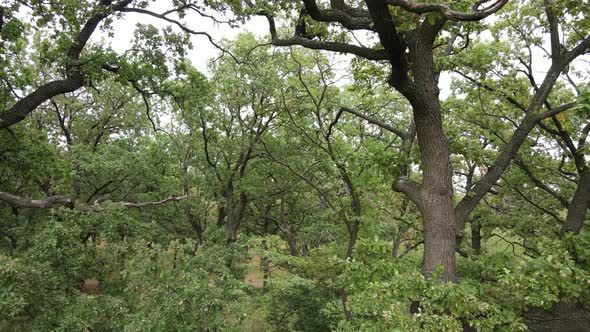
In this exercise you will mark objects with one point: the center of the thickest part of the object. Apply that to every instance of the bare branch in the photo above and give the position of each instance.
(26, 202)
(536, 205)
(562, 200)
(363, 52)
(148, 204)
(510, 99)
(376, 122)
(182, 26)
(556, 110)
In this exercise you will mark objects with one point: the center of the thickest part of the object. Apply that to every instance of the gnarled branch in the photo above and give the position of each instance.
(335, 14)
(447, 12)
(364, 52)
(410, 188)
(75, 78)
(376, 122)
(27, 202)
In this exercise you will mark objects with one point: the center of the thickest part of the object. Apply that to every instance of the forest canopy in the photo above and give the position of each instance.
(378, 165)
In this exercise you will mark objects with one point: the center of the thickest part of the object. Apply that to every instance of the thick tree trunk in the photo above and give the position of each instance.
(435, 196)
(578, 208)
(235, 218)
(292, 242)
(436, 191)
(220, 214)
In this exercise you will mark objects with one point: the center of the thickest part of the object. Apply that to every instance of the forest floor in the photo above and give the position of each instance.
(255, 276)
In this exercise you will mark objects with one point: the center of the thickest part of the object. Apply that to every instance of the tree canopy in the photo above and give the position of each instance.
(368, 165)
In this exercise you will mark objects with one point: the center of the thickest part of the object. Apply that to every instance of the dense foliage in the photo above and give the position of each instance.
(274, 193)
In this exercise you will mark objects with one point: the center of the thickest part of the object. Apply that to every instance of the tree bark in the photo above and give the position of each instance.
(563, 317)
(578, 208)
(352, 236)
(397, 241)
(344, 298)
(26, 202)
(285, 228)
(236, 214)
(436, 191)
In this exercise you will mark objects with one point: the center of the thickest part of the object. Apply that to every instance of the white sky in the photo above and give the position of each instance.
(202, 50)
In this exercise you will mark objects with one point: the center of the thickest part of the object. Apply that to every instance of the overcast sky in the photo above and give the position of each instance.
(202, 50)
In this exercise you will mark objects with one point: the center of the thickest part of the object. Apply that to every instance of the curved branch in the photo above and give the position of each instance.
(447, 12)
(362, 22)
(148, 204)
(179, 25)
(539, 184)
(536, 205)
(363, 52)
(376, 122)
(410, 188)
(23, 107)
(75, 78)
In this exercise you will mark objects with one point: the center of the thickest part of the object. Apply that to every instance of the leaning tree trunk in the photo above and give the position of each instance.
(578, 208)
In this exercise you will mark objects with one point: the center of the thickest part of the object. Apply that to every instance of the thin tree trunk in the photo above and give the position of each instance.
(476, 236)
(397, 241)
(344, 299)
(286, 229)
(352, 236)
(305, 250)
(221, 214)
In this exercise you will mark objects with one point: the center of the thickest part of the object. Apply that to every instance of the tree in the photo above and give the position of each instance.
(64, 33)
(407, 34)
